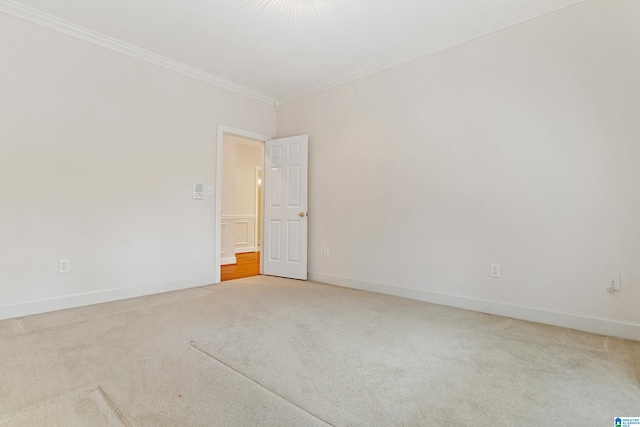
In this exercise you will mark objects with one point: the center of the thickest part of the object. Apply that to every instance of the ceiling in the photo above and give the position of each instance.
(281, 49)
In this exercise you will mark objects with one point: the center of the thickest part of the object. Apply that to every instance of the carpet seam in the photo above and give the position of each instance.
(257, 383)
(113, 407)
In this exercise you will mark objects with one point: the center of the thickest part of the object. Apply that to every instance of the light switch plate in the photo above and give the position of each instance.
(198, 191)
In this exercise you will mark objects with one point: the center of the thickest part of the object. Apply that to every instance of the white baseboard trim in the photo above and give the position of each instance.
(245, 250)
(228, 260)
(595, 325)
(28, 308)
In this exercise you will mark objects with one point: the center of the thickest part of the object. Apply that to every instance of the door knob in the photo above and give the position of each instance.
(301, 214)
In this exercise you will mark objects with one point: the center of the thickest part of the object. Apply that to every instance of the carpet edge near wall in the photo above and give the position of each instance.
(608, 327)
(28, 308)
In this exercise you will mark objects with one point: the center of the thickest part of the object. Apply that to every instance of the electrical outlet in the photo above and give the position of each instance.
(615, 281)
(325, 252)
(495, 270)
(64, 266)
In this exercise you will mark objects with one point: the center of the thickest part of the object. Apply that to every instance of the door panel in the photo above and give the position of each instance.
(275, 247)
(275, 201)
(286, 198)
(293, 245)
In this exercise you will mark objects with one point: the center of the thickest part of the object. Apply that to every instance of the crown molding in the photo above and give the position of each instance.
(54, 23)
(442, 43)
(487, 27)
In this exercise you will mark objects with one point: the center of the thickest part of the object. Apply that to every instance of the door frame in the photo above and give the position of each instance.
(229, 130)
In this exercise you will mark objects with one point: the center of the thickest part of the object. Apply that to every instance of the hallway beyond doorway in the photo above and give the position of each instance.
(247, 265)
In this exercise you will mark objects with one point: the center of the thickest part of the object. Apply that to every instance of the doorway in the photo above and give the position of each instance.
(239, 197)
(285, 181)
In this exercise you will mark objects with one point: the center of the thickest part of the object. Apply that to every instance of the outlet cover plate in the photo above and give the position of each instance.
(495, 269)
(64, 266)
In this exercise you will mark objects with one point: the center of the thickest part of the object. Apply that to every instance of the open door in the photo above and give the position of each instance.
(285, 211)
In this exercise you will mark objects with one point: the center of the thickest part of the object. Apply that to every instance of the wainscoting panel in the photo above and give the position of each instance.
(245, 233)
(227, 250)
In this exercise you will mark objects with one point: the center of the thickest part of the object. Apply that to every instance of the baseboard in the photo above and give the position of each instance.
(228, 260)
(245, 250)
(71, 301)
(595, 325)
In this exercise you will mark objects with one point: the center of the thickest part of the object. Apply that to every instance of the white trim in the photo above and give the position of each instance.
(54, 23)
(222, 129)
(227, 261)
(442, 43)
(222, 225)
(595, 325)
(256, 144)
(78, 300)
(245, 250)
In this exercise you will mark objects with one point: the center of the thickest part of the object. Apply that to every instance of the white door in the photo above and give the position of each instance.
(285, 207)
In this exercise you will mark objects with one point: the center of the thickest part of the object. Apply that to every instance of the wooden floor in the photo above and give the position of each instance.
(247, 265)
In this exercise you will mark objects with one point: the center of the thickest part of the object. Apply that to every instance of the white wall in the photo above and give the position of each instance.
(98, 152)
(521, 148)
(250, 156)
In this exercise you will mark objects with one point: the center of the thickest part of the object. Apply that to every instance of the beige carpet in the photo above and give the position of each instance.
(265, 351)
